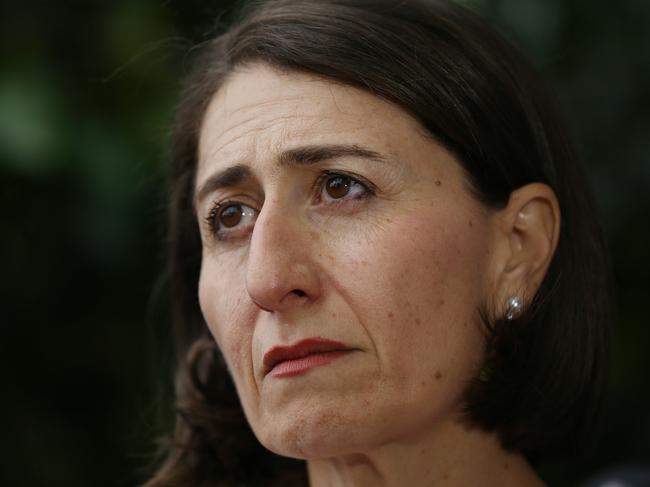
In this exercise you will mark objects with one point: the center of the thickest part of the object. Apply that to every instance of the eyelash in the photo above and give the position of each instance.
(319, 187)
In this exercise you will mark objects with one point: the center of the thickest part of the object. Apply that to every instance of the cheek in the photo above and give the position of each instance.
(224, 314)
(416, 286)
(416, 259)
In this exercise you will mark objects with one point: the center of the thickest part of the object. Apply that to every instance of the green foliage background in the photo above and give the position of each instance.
(87, 91)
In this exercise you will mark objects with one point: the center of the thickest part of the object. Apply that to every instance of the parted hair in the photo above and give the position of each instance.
(541, 385)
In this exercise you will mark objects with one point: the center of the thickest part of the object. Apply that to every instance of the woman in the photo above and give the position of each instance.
(383, 238)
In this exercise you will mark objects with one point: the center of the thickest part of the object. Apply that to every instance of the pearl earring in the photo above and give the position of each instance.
(515, 307)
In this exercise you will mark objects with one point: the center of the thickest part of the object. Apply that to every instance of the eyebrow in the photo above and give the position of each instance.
(299, 156)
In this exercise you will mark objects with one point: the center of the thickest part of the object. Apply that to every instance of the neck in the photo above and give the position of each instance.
(453, 456)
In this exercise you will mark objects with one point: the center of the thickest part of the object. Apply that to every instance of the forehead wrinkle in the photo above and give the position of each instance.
(222, 107)
(256, 106)
(274, 101)
(273, 123)
(329, 105)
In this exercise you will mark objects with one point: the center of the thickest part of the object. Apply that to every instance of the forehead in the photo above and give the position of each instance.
(261, 111)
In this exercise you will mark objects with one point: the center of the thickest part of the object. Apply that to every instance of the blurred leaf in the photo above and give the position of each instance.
(31, 123)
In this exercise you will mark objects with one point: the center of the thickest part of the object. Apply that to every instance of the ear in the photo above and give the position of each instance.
(527, 232)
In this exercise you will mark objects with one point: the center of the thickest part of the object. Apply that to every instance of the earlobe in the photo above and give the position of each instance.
(529, 232)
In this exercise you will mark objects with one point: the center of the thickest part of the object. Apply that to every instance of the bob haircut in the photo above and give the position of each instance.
(541, 385)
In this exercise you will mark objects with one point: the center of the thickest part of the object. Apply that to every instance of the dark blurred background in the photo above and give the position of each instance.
(87, 91)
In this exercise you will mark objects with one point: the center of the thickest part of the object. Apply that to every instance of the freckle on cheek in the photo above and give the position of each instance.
(438, 375)
(441, 303)
(390, 314)
(438, 182)
(333, 315)
(417, 321)
(471, 224)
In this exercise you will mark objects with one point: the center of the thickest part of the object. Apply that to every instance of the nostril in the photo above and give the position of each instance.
(299, 292)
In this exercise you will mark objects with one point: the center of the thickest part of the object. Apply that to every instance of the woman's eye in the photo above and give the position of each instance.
(231, 219)
(338, 186)
(230, 216)
(226, 218)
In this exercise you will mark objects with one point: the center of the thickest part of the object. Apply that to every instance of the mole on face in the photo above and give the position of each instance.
(438, 182)
(438, 375)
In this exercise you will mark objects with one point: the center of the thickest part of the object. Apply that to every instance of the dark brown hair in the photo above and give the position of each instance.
(541, 385)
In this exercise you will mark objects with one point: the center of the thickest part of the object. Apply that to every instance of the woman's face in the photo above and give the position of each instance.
(326, 213)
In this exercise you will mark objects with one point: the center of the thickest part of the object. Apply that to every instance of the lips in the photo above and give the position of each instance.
(304, 348)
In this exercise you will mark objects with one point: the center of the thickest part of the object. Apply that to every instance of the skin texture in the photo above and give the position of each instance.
(397, 276)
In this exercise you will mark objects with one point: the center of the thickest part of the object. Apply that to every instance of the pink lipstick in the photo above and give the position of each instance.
(299, 358)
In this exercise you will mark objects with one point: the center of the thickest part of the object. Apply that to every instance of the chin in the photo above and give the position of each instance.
(318, 434)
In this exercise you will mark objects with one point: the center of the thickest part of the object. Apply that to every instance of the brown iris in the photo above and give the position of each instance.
(338, 186)
(230, 216)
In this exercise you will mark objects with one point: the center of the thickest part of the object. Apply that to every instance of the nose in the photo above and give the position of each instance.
(281, 270)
